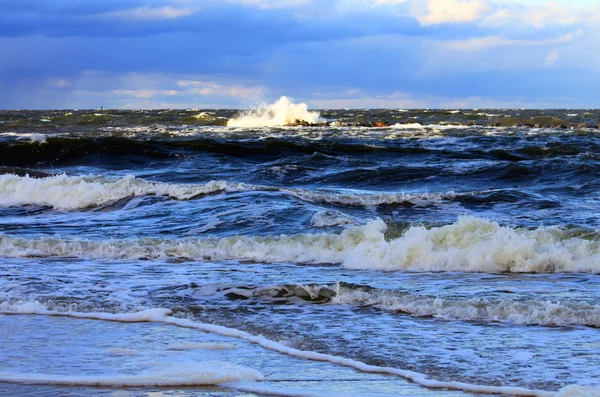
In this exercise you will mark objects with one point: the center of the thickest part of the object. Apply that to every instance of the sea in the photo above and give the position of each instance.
(283, 251)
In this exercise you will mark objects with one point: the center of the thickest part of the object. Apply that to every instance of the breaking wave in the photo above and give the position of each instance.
(281, 113)
(469, 245)
(64, 192)
(68, 193)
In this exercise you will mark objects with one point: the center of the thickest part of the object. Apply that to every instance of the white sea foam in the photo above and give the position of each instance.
(408, 126)
(202, 346)
(578, 391)
(358, 198)
(529, 312)
(164, 316)
(115, 351)
(469, 245)
(283, 112)
(200, 374)
(431, 127)
(32, 137)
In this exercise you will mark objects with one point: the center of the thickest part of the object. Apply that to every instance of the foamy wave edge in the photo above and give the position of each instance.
(164, 316)
(526, 312)
(469, 245)
(64, 192)
(202, 374)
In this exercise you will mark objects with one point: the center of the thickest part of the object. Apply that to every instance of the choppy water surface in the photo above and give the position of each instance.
(460, 245)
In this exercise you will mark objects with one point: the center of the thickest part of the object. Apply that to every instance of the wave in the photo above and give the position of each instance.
(514, 311)
(357, 198)
(64, 192)
(435, 127)
(143, 146)
(281, 113)
(165, 316)
(469, 245)
(31, 137)
(520, 310)
(59, 149)
(68, 193)
(84, 148)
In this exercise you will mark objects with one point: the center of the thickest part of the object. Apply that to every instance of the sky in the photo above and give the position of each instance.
(84, 54)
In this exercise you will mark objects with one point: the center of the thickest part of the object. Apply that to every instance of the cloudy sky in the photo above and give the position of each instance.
(327, 53)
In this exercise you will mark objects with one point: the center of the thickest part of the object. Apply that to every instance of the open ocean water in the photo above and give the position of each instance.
(458, 250)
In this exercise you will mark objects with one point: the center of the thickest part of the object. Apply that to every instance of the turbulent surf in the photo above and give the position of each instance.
(458, 249)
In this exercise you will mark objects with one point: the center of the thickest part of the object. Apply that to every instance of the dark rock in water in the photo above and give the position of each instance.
(326, 293)
(322, 295)
(301, 292)
(588, 124)
(494, 124)
(236, 296)
(304, 123)
(562, 126)
(282, 292)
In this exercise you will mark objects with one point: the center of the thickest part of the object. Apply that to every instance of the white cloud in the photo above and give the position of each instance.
(551, 59)
(150, 14)
(484, 43)
(536, 16)
(498, 13)
(434, 12)
(269, 4)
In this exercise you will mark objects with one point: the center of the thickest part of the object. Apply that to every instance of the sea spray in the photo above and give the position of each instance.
(281, 113)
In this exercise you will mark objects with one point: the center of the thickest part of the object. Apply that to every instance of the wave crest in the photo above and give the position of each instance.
(469, 245)
(69, 193)
(64, 192)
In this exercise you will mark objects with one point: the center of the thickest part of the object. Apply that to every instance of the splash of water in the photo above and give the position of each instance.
(283, 112)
